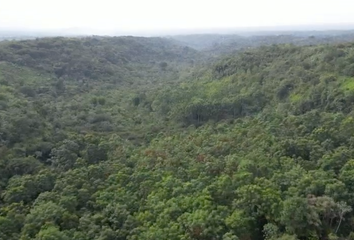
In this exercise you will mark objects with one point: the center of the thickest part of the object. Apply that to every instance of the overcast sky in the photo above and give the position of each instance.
(170, 14)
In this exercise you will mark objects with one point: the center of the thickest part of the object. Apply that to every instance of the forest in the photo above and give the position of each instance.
(133, 138)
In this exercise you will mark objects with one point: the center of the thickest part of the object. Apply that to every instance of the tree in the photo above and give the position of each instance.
(163, 65)
(64, 157)
(299, 217)
(343, 209)
(51, 233)
(39, 216)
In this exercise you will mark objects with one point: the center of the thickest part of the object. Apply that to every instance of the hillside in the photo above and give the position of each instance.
(292, 79)
(97, 58)
(219, 44)
(139, 139)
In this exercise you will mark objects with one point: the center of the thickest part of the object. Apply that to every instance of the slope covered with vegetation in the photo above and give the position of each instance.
(97, 58)
(219, 44)
(259, 145)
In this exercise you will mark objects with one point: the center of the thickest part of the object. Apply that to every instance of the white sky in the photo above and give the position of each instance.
(168, 14)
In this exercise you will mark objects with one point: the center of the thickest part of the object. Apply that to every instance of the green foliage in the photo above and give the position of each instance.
(51, 233)
(348, 84)
(124, 138)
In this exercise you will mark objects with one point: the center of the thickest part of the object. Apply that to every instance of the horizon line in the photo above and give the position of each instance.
(184, 31)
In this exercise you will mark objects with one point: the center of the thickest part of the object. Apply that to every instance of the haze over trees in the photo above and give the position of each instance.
(114, 138)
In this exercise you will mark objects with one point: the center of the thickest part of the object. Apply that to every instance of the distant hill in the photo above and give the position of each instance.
(206, 41)
(218, 44)
(95, 57)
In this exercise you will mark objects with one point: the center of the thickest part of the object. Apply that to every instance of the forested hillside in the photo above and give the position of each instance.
(219, 44)
(139, 139)
(97, 58)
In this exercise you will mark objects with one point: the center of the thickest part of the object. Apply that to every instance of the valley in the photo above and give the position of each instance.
(187, 137)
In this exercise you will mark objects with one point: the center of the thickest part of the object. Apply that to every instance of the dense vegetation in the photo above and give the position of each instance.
(137, 138)
(219, 44)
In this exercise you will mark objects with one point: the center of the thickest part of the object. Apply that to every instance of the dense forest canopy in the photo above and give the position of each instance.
(219, 44)
(145, 138)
